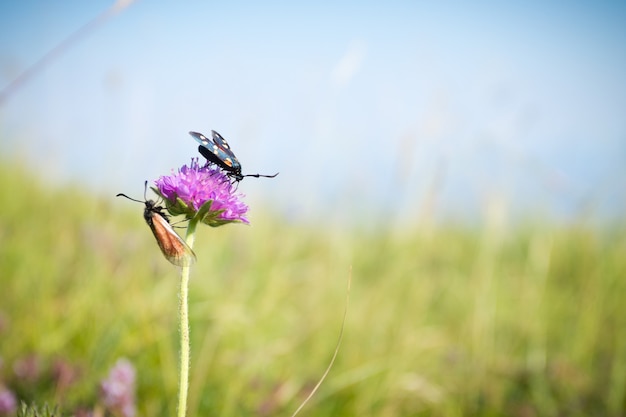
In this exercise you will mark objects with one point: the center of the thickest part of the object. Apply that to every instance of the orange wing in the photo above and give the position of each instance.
(174, 248)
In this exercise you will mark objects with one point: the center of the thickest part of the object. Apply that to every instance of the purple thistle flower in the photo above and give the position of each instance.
(202, 188)
(117, 391)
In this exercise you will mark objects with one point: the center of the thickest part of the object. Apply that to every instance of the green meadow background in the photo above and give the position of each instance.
(443, 319)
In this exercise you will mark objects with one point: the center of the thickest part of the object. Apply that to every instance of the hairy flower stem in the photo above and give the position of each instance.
(183, 296)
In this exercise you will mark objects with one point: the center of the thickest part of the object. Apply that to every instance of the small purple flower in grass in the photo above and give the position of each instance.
(117, 391)
(205, 190)
(8, 402)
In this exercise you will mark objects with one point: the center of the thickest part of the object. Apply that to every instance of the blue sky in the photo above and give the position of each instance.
(366, 109)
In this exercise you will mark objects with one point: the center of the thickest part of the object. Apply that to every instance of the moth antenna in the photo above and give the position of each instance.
(132, 199)
(261, 175)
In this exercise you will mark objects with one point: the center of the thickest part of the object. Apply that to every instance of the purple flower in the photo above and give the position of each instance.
(117, 391)
(8, 402)
(204, 189)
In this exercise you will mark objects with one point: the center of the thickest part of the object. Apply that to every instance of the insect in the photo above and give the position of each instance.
(217, 151)
(173, 246)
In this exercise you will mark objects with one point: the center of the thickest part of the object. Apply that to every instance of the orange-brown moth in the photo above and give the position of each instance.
(174, 248)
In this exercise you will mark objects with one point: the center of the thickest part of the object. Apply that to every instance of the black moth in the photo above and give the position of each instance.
(217, 151)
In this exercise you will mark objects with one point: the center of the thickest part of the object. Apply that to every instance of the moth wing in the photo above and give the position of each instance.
(173, 247)
(217, 150)
(211, 157)
(220, 142)
(223, 151)
(202, 140)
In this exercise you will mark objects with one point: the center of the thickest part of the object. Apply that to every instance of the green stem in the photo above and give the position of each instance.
(183, 386)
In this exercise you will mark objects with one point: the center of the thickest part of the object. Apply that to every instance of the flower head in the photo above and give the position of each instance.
(117, 391)
(205, 190)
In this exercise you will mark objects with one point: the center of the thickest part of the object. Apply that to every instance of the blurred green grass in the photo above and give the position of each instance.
(447, 320)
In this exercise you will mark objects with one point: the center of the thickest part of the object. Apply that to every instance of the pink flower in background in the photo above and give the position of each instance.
(8, 402)
(117, 391)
